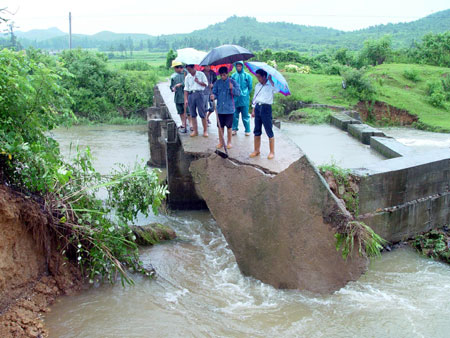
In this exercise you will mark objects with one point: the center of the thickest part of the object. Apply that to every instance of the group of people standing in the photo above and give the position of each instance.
(202, 93)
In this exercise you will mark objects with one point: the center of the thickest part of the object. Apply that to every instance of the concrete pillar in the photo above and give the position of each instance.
(156, 142)
(183, 195)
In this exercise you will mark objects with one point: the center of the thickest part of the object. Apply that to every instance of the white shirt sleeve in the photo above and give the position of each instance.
(274, 90)
(187, 83)
(203, 78)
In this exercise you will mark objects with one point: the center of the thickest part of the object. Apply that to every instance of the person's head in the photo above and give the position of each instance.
(191, 69)
(177, 66)
(239, 66)
(223, 72)
(207, 68)
(261, 75)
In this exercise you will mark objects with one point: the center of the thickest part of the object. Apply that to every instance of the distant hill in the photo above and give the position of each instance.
(248, 32)
(40, 34)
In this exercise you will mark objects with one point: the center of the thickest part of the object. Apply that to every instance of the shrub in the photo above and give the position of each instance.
(411, 74)
(272, 63)
(357, 85)
(435, 91)
(437, 99)
(92, 232)
(100, 93)
(360, 235)
(297, 69)
(138, 65)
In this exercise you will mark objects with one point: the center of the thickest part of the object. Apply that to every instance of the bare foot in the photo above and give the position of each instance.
(205, 134)
(234, 132)
(219, 146)
(229, 146)
(271, 156)
(254, 154)
(193, 134)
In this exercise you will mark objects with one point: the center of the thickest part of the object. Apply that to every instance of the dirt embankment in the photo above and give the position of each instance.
(32, 272)
(381, 111)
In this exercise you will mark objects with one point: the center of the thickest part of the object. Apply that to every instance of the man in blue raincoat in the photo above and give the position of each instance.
(242, 101)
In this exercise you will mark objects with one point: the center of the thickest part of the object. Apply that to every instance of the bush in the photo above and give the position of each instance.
(376, 52)
(297, 69)
(435, 91)
(98, 93)
(92, 232)
(138, 65)
(437, 99)
(358, 85)
(411, 74)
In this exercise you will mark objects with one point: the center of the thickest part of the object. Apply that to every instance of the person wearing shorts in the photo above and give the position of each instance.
(177, 87)
(224, 90)
(194, 85)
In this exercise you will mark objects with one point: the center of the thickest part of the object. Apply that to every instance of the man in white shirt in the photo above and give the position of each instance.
(262, 111)
(194, 85)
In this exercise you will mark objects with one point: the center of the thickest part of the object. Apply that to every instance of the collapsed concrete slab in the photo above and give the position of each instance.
(280, 227)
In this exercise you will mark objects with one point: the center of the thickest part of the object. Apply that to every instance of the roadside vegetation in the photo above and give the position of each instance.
(414, 80)
(352, 234)
(38, 93)
(434, 244)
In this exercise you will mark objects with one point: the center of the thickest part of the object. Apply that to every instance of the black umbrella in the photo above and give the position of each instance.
(226, 54)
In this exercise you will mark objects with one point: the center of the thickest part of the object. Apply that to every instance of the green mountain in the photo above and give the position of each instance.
(40, 34)
(248, 32)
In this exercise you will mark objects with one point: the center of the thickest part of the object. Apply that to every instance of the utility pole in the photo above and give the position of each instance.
(70, 30)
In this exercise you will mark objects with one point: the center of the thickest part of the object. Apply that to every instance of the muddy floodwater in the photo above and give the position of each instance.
(200, 292)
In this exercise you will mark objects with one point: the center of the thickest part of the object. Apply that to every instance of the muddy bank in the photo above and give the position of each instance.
(385, 113)
(32, 272)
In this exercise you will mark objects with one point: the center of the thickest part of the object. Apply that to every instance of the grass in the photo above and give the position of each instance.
(318, 88)
(395, 89)
(154, 59)
(311, 115)
(116, 120)
(391, 85)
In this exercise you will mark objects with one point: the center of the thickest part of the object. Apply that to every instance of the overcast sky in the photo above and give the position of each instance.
(174, 16)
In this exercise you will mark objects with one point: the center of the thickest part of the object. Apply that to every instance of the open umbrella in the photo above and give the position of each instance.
(226, 54)
(190, 56)
(215, 69)
(279, 81)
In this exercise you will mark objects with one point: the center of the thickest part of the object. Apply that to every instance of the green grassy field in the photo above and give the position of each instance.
(391, 86)
(153, 59)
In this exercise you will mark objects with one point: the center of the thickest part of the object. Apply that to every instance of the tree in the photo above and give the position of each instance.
(122, 48)
(130, 45)
(435, 49)
(171, 55)
(342, 56)
(377, 51)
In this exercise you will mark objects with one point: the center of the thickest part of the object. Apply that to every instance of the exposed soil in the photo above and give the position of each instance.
(381, 111)
(345, 190)
(32, 272)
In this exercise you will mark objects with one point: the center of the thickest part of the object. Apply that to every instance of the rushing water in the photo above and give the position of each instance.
(419, 139)
(200, 292)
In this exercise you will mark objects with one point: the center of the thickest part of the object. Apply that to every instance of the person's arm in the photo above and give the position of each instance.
(203, 81)
(250, 83)
(214, 92)
(185, 98)
(253, 101)
(274, 90)
(172, 84)
(236, 90)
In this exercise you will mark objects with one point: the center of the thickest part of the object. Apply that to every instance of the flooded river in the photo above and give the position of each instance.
(200, 292)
